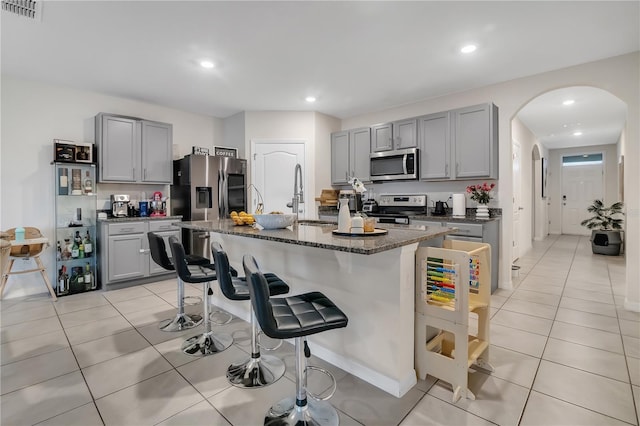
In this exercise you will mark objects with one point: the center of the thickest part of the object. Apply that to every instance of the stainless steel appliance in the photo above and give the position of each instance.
(370, 206)
(400, 164)
(120, 205)
(399, 208)
(207, 188)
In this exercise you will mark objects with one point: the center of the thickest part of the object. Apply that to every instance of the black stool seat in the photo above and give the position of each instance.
(208, 342)
(258, 370)
(295, 317)
(182, 320)
(300, 315)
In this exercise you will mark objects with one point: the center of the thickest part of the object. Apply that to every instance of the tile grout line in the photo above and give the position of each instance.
(547, 339)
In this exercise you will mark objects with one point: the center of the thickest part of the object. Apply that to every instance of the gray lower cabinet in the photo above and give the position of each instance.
(133, 150)
(486, 232)
(350, 155)
(125, 252)
(459, 144)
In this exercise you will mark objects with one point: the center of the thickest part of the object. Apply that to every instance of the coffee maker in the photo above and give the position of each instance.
(120, 205)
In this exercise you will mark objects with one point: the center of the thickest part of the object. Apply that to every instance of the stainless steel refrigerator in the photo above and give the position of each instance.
(207, 188)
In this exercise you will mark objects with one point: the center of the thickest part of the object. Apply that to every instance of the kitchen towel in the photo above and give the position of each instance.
(459, 208)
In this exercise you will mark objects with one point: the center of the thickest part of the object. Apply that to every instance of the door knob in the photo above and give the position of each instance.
(520, 208)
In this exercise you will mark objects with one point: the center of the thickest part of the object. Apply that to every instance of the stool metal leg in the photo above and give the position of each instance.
(181, 321)
(206, 343)
(259, 370)
(301, 410)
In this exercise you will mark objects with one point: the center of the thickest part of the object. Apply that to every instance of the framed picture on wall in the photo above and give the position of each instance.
(545, 174)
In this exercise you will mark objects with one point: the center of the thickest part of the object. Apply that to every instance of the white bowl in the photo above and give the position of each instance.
(274, 221)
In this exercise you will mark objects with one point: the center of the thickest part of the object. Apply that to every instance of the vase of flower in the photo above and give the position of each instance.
(482, 195)
(482, 211)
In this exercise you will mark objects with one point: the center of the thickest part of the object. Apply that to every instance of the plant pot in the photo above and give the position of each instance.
(606, 242)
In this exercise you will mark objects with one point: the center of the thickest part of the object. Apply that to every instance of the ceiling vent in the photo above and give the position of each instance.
(28, 8)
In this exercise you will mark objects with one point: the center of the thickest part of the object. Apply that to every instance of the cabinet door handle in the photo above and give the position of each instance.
(144, 173)
(457, 168)
(126, 229)
(446, 169)
(144, 251)
(133, 173)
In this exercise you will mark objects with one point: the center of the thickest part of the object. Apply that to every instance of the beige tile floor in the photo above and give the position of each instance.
(565, 352)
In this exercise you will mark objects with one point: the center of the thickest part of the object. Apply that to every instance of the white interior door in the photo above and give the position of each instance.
(516, 157)
(272, 173)
(581, 184)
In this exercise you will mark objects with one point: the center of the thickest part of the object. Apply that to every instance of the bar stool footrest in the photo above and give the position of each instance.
(181, 322)
(256, 372)
(206, 344)
(286, 412)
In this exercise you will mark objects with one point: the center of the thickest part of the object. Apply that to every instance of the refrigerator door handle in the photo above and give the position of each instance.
(221, 197)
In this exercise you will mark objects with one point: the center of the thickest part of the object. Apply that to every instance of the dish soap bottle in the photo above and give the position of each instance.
(344, 216)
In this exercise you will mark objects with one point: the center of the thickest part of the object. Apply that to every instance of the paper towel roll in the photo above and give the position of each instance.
(459, 208)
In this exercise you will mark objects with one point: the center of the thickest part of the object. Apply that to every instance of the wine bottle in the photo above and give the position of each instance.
(75, 250)
(88, 245)
(88, 184)
(88, 277)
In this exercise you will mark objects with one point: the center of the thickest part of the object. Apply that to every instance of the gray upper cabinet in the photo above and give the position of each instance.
(459, 144)
(434, 135)
(133, 150)
(405, 134)
(391, 136)
(350, 155)
(157, 152)
(382, 137)
(475, 132)
(339, 157)
(116, 138)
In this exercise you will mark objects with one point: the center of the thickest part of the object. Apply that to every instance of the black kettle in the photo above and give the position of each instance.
(440, 208)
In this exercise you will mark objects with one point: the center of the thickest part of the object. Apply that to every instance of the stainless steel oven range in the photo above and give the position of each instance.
(399, 208)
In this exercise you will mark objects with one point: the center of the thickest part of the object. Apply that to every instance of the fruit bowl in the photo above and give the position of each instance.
(274, 221)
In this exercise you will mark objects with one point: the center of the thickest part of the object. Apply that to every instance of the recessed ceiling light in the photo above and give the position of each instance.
(569, 102)
(207, 64)
(577, 133)
(310, 99)
(469, 48)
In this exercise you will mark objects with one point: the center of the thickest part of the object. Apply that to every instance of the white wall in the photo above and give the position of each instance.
(234, 133)
(610, 186)
(527, 141)
(33, 114)
(309, 126)
(618, 75)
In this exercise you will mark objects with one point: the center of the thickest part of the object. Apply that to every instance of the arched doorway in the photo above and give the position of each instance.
(549, 126)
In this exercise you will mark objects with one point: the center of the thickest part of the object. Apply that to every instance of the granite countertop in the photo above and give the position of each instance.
(139, 218)
(449, 218)
(313, 233)
(470, 218)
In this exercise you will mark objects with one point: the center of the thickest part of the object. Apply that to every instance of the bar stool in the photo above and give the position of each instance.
(206, 343)
(259, 370)
(182, 321)
(295, 317)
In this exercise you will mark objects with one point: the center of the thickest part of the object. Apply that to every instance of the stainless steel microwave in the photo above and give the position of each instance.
(401, 164)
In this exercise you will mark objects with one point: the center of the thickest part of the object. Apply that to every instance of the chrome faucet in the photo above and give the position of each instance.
(298, 197)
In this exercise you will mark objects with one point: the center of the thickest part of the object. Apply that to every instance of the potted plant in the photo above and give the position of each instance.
(605, 226)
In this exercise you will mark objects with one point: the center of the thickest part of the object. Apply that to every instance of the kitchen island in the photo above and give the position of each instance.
(371, 278)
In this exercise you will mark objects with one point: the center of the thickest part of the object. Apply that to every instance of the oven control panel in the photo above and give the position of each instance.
(411, 200)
